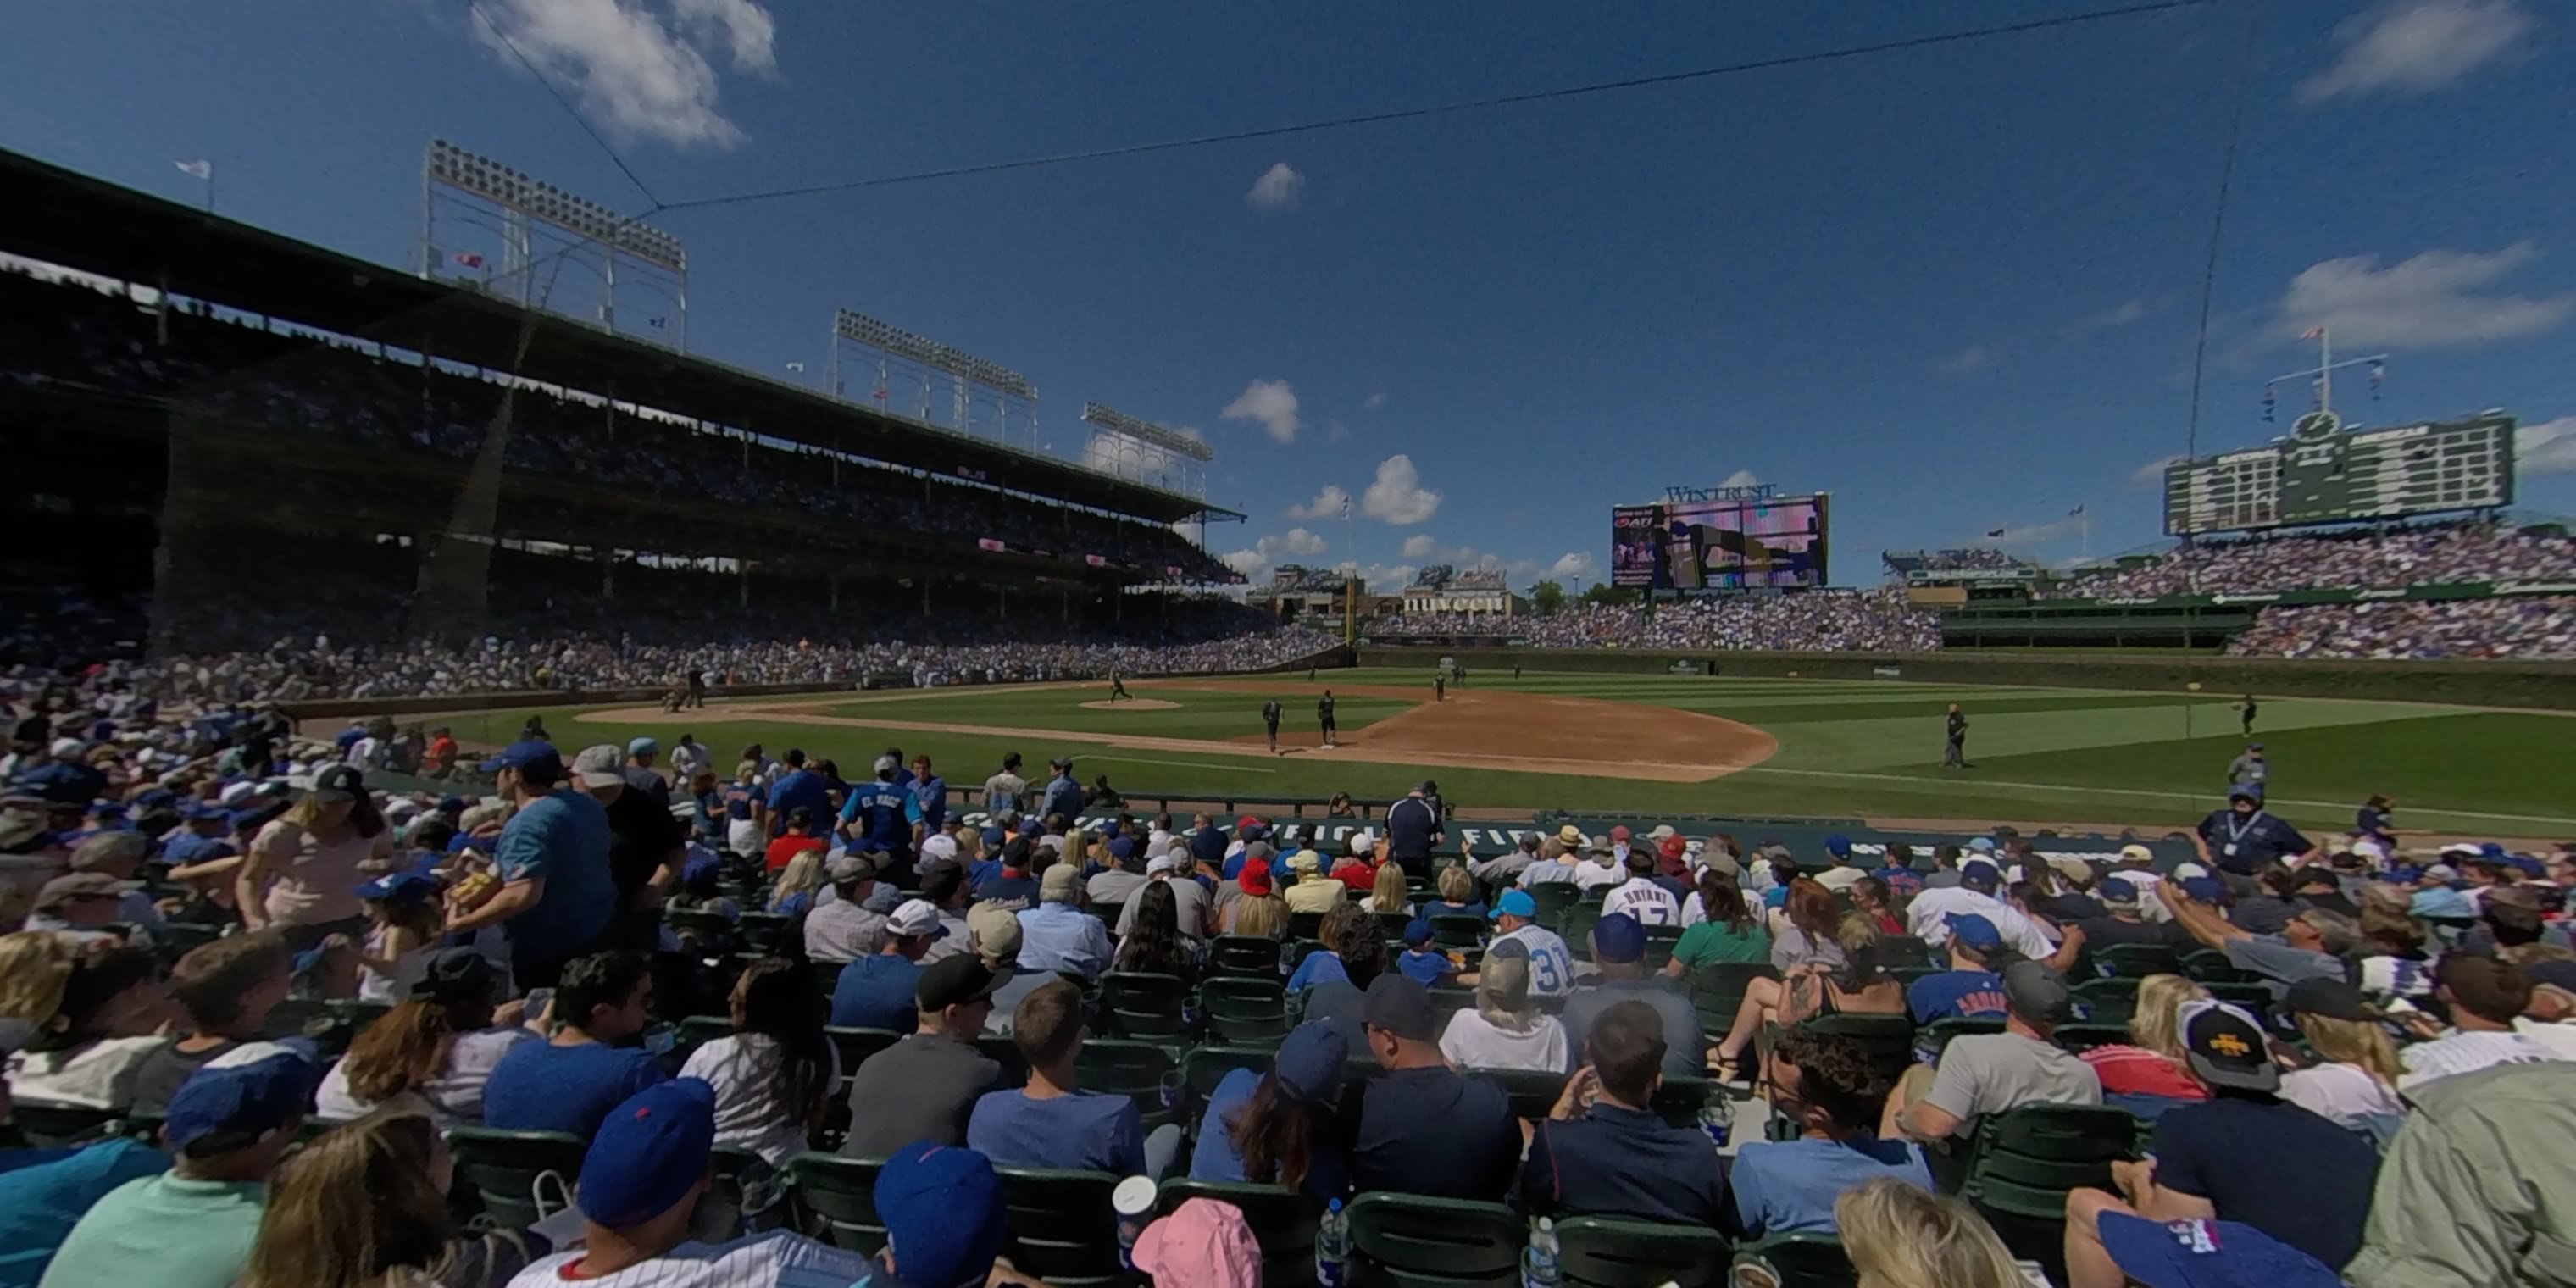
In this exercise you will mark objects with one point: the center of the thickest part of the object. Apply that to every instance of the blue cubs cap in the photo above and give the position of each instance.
(1516, 902)
(993, 837)
(1310, 1061)
(224, 1108)
(1122, 847)
(942, 1208)
(1977, 874)
(1838, 845)
(2117, 891)
(643, 746)
(2206, 1254)
(649, 1153)
(2205, 889)
(400, 888)
(1618, 938)
(538, 762)
(451, 805)
(1973, 930)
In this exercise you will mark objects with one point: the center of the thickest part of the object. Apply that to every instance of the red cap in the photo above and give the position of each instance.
(1246, 821)
(1619, 833)
(1254, 878)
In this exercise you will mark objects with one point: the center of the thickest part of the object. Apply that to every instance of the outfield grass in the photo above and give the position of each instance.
(1847, 748)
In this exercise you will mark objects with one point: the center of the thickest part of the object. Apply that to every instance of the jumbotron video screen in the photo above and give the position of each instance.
(1719, 545)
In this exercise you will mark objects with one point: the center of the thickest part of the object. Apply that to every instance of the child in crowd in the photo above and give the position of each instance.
(404, 922)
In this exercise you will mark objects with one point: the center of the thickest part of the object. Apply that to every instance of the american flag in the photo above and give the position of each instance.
(2313, 333)
(467, 258)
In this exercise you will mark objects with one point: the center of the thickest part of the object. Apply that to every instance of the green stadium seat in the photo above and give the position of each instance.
(1938, 1034)
(2255, 998)
(1391, 925)
(834, 1199)
(1910, 951)
(2026, 1160)
(2080, 1038)
(1717, 990)
(1282, 1223)
(520, 1176)
(1659, 945)
(2208, 965)
(172, 940)
(1906, 975)
(2107, 1001)
(1244, 1008)
(1147, 1074)
(1601, 1252)
(855, 1044)
(1402, 1241)
(694, 1032)
(758, 932)
(1679, 1100)
(1554, 898)
(1533, 1091)
(1137, 1004)
(2135, 961)
(707, 934)
(1248, 955)
(1305, 925)
(1793, 1261)
(1577, 930)
(51, 1125)
(1062, 1229)
(1465, 933)
(1447, 1001)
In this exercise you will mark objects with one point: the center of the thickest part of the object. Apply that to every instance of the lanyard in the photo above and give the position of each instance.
(2235, 833)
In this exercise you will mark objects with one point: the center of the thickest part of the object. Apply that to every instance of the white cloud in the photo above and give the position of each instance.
(640, 71)
(1257, 560)
(1335, 431)
(2418, 46)
(1574, 565)
(1375, 400)
(1421, 545)
(1330, 503)
(1386, 579)
(1273, 403)
(1973, 358)
(2430, 299)
(1396, 495)
(2546, 448)
(1740, 478)
(2152, 474)
(1277, 189)
(2123, 315)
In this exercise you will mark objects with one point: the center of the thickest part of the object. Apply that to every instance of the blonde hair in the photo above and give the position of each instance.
(2157, 1023)
(1386, 893)
(802, 875)
(1502, 994)
(1262, 916)
(35, 965)
(2360, 1043)
(488, 812)
(1898, 1236)
(1456, 886)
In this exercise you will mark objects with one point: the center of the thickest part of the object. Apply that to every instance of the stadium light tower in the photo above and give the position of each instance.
(907, 363)
(485, 224)
(1144, 451)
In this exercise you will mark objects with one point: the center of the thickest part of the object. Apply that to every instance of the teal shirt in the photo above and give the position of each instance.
(164, 1231)
(45, 1192)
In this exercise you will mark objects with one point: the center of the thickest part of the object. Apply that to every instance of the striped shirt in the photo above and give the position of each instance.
(766, 1261)
(2456, 1053)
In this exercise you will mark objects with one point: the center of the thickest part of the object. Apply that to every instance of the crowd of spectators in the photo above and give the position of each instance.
(2356, 1054)
(1968, 559)
(297, 383)
(2348, 559)
(1817, 622)
(2531, 627)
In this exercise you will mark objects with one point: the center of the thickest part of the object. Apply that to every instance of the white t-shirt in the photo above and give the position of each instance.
(1593, 876)
(1473, 1042)
(2342, 1092)
(1840, 877)
(1551, 966)
(1925, 918)
(776, 1260)
(100, 1073)
(1695, 912)
(751, 1094)
(453, 1098)
(1650, 904)
(2458, 1052)
(409, 969)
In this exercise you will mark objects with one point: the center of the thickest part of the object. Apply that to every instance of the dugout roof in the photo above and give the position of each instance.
(76, 221)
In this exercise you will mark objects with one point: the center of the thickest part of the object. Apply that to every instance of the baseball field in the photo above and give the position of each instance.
(1680, 745)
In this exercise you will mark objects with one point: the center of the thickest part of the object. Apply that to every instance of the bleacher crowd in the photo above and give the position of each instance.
(1965, 559)
(1879, 620)
(2356, 559)
(641, 1018)
(2515, 626)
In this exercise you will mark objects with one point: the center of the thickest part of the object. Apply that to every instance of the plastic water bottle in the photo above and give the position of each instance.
(1538, 1261)
(1333, 1247)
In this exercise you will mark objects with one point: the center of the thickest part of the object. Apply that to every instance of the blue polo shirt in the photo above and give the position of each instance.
(539, 1086)
(801, 787)
(1084, 1131)
(878, 993)
(1789, 1187)
(560, 838)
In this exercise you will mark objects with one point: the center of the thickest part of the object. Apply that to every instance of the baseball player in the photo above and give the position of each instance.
(1954, 752)
(1270, 722)
(1324, 719)
(1117, 686)
(1439, 687)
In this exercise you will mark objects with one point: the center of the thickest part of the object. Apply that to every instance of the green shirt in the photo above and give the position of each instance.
(1715, 941)
(2474, 1191)
(163, 1231)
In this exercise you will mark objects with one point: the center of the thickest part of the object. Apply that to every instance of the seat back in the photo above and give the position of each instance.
(1553, 898)
(1404, 1241)
(1659, 945)
(708, 934)
(1305, 925)
(2209, 966)
(1249, 955)
(2109, 1000)
(1239, 1009)
(1794, 1261)
(1282, 1223)
(55, 1124)
(1138, 1004)
(506, 1169)
(2026, 1159)
(1062, 1228)
(1533, 1091)
(1147, 1074)
(1938, 1033)
(1602, 1252)
(697, 1031)
(1452, 930)
(758, 932)
(1577, 930)
(856, 1044)
(834, 1199)
(1907, 950)
(1391, 925)
(2080, 1038)
(1717, 989)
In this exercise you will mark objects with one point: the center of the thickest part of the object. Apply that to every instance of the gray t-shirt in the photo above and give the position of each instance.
(2281, 965)
(921, 1088)
(1189, 903)
(1685, 1049)
(1110, 889)
(1989, 1073)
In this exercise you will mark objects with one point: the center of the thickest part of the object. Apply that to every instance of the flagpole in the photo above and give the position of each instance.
(2325, 368)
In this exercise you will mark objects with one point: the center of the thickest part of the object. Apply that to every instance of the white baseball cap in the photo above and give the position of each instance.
(916, 917)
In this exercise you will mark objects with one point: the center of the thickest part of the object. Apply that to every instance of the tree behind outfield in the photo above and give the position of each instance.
(1546, 597)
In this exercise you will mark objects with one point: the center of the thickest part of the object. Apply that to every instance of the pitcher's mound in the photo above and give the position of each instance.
(1131, 704)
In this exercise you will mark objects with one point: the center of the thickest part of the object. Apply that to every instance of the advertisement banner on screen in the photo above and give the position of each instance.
(1776, 542)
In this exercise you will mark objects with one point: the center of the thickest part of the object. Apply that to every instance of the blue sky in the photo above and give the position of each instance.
(1955, 287)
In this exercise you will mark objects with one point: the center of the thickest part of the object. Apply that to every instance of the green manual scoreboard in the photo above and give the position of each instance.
(2323, 472)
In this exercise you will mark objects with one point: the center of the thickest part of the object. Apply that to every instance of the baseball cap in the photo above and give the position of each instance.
(942, 1206)
(1398, 1005)
(537, 762)
(2330, 997)
(2204, 889)
(1982, 845)
(338, 783)
(2117, 893)
(1838, 845)
(2442, 872)
(1618, 938)
(1977, 874)
(1975, 931)
(649, 1154)
(2136, 853)
(222, 1108)
(1160, 864)
(1305, 861)
(996, 931)
(600, 766)
(1619, 832)
(82, 885)
(2245, 792)
(1309, 1062)
(2206, 1254)
(642, 745)
(404, 888)
(993, 838)
(1516, 902)
(851, 866)
(1060, 880)
(1204, 1243)
(958, 980)
(1122, 847)
(1663, 832)
(2037, 994)
(66, 748)
(1061, 762)
(2225, 1047)
(456, 975)
(916, 917)
(1253, 878)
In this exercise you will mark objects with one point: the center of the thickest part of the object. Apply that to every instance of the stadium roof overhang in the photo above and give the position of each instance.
(79, 222)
